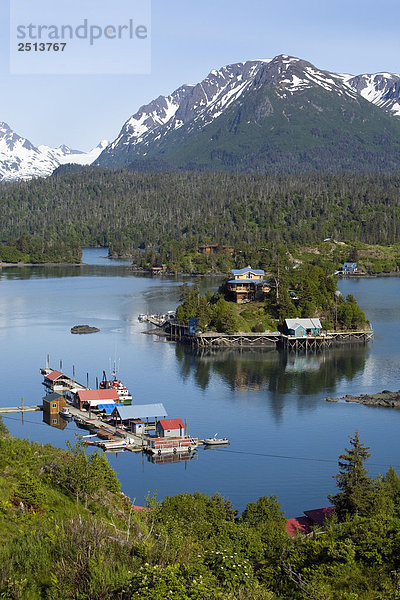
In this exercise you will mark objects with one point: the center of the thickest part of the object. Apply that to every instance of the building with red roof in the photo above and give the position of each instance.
(298, 525)
(319, 515)
(306, 523)
(92, 398)
(53, 376)
(170, 428)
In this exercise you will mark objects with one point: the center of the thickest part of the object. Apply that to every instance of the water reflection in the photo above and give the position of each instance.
(279, 373)
(54, 420)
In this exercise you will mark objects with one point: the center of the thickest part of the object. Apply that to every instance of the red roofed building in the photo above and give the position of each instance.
(170, 428)
(305, 524)
(139, 509)
(53, 375)
(94, 397)
(319, 515)
(298, 524)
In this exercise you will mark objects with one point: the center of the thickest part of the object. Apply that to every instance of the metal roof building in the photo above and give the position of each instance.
(306, 323)
(259, 272)
(139, 411)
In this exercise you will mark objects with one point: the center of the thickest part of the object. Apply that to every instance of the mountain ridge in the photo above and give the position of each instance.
(160, 130)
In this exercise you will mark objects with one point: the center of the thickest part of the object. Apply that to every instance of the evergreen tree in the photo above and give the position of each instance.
(356, 487)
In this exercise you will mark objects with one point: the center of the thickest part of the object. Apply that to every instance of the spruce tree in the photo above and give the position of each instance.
(356, 487)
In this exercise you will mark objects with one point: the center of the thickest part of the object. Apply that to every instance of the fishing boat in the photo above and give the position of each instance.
(216, 441)
(116, 384)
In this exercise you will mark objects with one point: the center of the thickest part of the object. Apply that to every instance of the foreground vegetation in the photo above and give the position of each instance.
(67, 532)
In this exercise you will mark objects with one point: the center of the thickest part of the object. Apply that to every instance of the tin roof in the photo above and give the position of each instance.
(246, 270)
(318, 515)
(172, 424)
(302, 524)
(51, 397)
(99, 395)
(140, 411)
(306, 323)
(53, 375)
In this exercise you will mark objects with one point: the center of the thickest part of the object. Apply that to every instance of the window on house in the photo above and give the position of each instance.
(54, 405)
(54, 421)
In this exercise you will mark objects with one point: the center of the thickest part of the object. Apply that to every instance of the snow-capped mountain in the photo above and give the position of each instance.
(20, 159)
(280, 114)
(382, 89)
(198, 126)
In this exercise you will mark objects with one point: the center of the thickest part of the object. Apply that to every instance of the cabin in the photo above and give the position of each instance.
(55, 380)
(215, 249)
(170, 428)
(305, 524)
(92, 398)
(349, 267)
(130, 416)
(300, 328)
(138, 426)
(53, 403)
(246, 283)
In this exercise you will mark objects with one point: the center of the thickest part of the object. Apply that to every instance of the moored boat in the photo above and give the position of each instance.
(65, 413)
(117, 385)
(216, 441)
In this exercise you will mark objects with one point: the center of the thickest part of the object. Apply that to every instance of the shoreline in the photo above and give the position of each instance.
(51, 264)
(385, 399)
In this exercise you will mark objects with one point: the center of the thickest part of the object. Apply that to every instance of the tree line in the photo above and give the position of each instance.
(175, 212)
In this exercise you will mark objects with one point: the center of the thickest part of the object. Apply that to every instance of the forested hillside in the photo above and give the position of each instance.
(130, 209)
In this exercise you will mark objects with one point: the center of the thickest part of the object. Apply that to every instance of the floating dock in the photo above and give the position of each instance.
(20, 409)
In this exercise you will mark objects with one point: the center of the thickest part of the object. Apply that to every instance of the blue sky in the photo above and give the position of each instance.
(188, 40)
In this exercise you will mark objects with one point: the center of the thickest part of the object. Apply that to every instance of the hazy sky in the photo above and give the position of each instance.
(188, 40)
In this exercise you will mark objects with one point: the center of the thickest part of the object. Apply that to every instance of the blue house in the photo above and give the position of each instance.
(349, 267)
(302, 327)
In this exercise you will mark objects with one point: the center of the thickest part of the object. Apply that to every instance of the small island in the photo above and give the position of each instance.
(295, 306)
(80, 329)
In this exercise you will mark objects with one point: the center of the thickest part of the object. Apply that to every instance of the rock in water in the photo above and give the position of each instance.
(84, 329)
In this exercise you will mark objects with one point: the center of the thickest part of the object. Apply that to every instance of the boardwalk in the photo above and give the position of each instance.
(273, 340)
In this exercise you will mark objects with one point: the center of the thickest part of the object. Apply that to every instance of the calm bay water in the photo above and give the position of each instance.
(285, 439)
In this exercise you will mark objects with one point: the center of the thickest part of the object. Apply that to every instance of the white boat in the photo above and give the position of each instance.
(216, 441)
(65, 413)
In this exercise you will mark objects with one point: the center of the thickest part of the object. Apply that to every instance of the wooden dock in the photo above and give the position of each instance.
(19, 409)
(276, 340)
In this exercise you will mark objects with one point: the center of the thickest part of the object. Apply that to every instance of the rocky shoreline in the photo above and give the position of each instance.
(384, 398)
